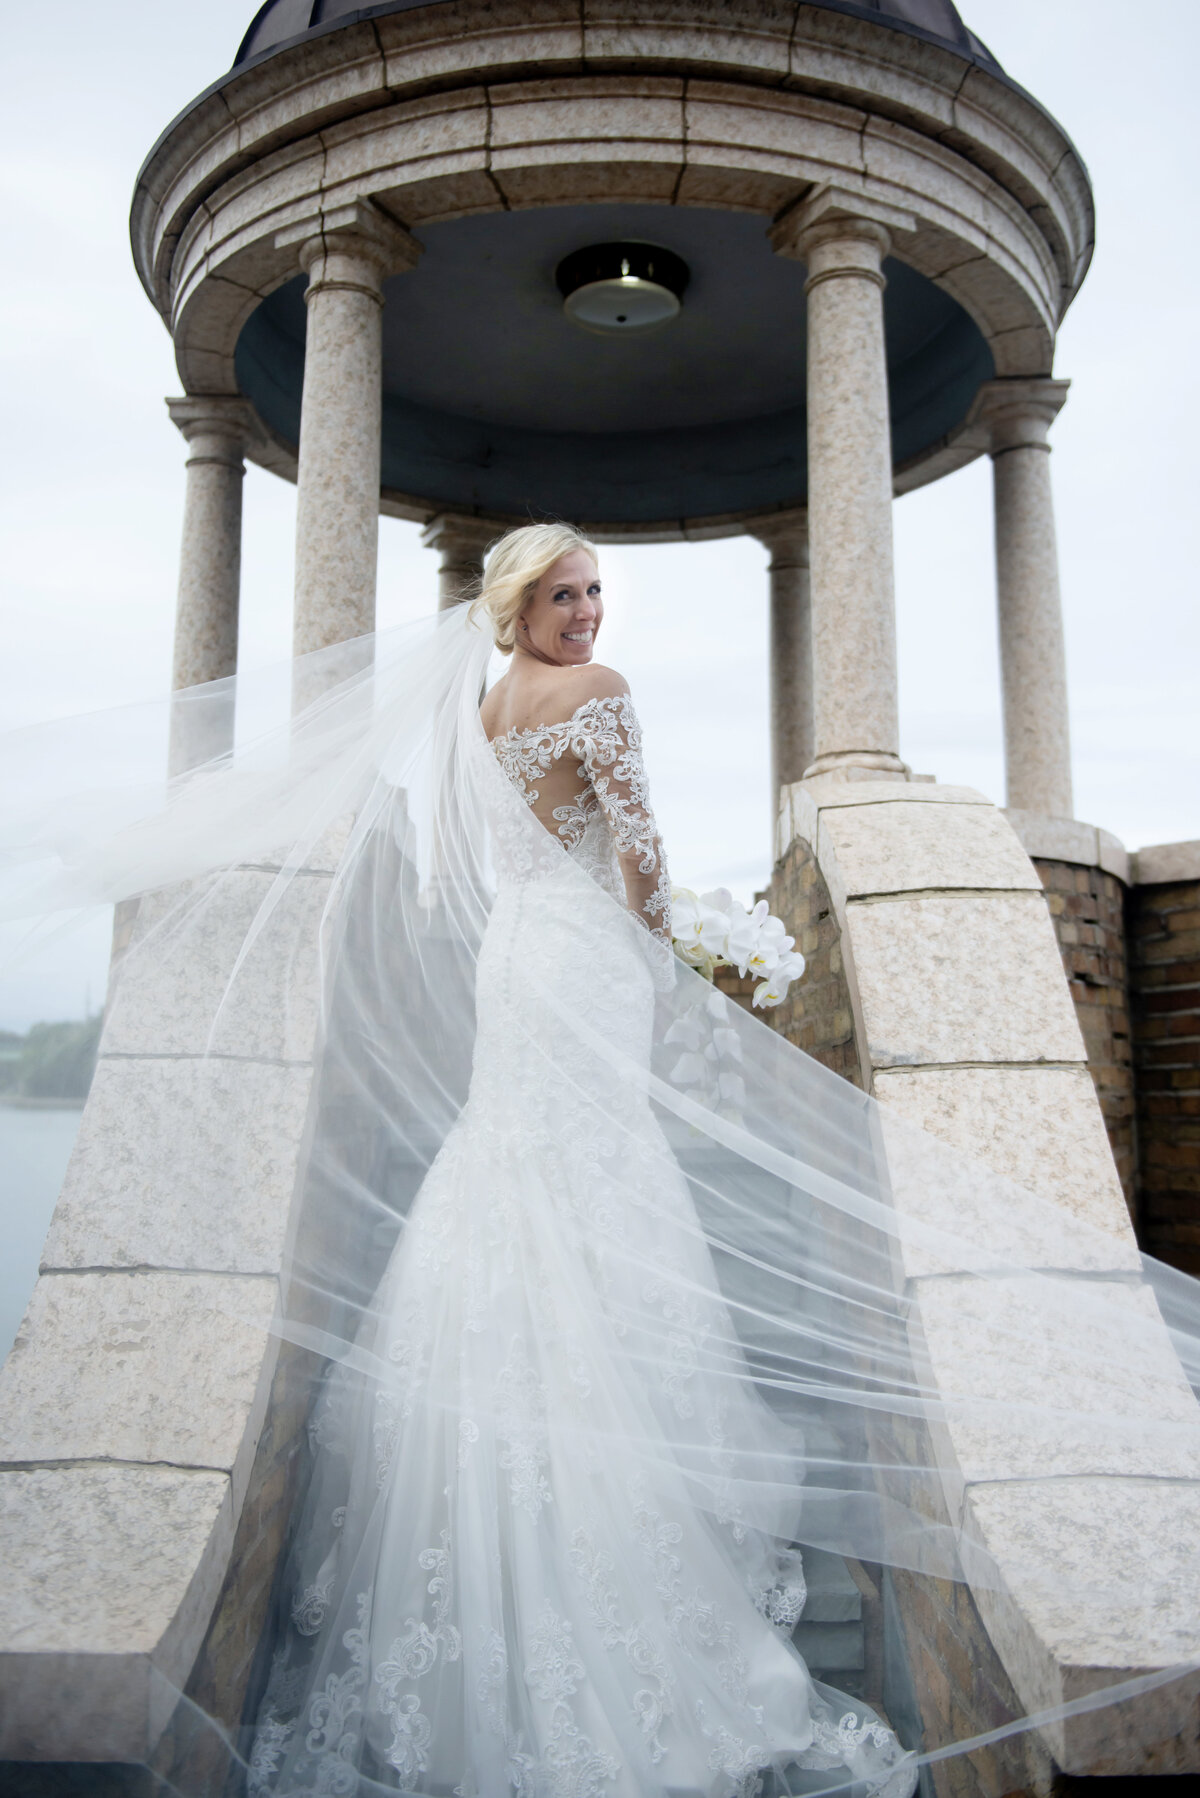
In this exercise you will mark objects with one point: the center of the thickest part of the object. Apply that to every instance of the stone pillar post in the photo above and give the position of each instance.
(217, 431)
(461, 544)
(844, 240)
(1033, 666)
(789, 649)
(346, 253)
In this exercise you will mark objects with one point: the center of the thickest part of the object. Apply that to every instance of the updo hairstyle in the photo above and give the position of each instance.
(513, 569)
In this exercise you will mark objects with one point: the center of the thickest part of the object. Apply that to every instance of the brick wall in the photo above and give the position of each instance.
(1088, 909)
(816, 1014)
(1132, 958)
(1164, 941)
(943, 1680)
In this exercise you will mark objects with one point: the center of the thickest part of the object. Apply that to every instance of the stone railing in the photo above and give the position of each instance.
(962, 1021)
(148, 1424)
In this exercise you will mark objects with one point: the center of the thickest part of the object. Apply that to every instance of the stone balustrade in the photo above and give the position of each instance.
(134, 1473)
(933, 942)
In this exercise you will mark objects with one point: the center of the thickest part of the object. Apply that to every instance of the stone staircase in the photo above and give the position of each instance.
(832, 1634)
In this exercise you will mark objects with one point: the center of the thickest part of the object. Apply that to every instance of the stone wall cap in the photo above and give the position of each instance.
(1071, 840)
(1047, 1536)
(827, 791)
(113, 1572)
(801, 804)
(1160, 864)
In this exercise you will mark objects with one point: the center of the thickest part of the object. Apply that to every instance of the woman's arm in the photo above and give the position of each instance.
(609, 745)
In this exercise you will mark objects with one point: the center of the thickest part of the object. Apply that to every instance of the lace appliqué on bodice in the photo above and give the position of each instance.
(604, 739)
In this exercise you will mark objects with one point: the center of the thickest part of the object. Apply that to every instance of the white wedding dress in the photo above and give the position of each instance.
(511, 1576)
(596, 1292)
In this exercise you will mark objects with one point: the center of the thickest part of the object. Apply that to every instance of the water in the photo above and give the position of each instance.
(35, 1146)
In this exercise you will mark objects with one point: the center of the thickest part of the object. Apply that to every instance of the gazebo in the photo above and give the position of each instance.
(672, 271)
(354, 235)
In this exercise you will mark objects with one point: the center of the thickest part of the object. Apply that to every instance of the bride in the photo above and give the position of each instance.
(505, 1580)
(596, 1297)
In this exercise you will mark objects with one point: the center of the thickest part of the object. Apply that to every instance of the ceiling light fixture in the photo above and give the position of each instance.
(622, 288)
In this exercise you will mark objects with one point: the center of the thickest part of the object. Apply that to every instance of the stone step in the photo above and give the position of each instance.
(833, 1596)
(831, 1635)
(831, 1648)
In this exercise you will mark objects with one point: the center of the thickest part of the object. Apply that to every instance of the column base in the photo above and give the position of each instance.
(859, 764)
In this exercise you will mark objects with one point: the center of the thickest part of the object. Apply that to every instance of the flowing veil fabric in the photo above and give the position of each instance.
(607, 1289)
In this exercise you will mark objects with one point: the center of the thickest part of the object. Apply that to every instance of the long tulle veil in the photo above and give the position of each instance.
(316, 904)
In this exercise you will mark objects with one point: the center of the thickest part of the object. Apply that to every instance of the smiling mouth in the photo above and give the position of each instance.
(578, 636)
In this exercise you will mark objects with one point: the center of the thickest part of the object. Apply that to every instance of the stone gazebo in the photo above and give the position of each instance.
(353, 237)
(357, 239)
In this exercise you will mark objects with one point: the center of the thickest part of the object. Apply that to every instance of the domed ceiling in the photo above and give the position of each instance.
(281, 22)
(495, 400)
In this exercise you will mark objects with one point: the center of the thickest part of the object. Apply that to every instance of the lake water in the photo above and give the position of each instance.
(35, 1147)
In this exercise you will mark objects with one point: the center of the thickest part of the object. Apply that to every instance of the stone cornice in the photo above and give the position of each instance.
(360, 68)
(442, 111)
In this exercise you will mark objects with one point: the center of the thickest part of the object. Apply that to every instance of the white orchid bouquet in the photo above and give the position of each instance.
(714, 930)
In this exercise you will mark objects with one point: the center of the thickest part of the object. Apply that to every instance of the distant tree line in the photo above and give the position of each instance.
(51, 1061)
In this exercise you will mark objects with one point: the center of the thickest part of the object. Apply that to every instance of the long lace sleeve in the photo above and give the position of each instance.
(609, 746)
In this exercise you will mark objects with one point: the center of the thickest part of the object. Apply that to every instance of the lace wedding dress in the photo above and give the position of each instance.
(596, 1293)
(522, 1567)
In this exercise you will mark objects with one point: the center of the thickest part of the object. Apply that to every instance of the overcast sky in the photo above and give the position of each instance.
(92, 473)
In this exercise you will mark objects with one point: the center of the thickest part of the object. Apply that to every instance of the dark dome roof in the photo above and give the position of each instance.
(282, 22)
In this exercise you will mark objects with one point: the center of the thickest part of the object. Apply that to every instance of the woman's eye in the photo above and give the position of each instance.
(563, 595)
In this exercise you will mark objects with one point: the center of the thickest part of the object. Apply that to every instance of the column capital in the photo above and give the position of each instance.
(456, 533)
(354, 247)
(461, 541)
(848, 232)
(1016, 413)
(220, 427)
(785, 535)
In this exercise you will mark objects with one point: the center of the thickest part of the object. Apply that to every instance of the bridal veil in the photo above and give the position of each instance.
(791, 1405)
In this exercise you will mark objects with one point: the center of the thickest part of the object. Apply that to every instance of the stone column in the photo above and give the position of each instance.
(217, 431)
(346, 253)
(789, 649)
(461, 544)
(1033, 667)
(855, 712)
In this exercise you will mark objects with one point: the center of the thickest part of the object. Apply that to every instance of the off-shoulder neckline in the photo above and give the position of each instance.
(538, 730)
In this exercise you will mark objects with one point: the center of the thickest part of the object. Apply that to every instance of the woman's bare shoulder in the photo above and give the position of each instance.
(595, 681)
(552, 696)
(495, 702)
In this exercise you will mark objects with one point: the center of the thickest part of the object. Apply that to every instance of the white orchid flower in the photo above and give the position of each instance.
(744, 929)
(688, 1030)
(713, 930)
(720, 899)
(774, 989)
(700, 928)
(689, 1069)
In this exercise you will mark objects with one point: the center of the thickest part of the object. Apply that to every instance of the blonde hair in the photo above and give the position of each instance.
(513, 569)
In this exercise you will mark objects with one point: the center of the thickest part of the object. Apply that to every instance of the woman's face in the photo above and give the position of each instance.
(560, 622)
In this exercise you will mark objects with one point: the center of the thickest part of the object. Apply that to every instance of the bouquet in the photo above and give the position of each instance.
(714, 930)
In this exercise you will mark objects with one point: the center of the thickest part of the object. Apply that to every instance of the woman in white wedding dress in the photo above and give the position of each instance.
(504, 1581)
(596, 1293)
